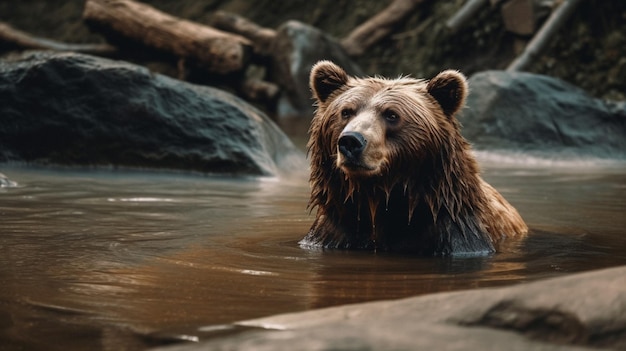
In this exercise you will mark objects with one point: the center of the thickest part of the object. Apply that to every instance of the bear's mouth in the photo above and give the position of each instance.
(356, 166)
(354, 155)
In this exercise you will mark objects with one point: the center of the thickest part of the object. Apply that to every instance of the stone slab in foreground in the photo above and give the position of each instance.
(576, 312)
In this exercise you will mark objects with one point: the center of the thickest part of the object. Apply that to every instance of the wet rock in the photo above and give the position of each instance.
(577, 312)
(540, 114)
(296, 49)
(73, 109)
(5, 182)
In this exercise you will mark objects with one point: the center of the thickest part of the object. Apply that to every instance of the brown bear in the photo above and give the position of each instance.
(390, 169)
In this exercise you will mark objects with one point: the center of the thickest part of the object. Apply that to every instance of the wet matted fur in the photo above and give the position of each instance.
(414, 185)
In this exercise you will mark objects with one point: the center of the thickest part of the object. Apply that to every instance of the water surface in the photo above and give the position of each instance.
(106, 259)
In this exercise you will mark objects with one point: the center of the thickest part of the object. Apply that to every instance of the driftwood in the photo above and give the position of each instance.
(261, 38)
(465, 14)
(212, 49)
(545, 35)
(260, 91)
(378, 27)
(23, 40)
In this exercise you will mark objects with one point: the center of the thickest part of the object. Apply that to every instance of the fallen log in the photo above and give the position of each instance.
(465, 14)
(544, 36)
(212, 49)
(378, 27)
(261, 38)
(22, 40)
(260, 91)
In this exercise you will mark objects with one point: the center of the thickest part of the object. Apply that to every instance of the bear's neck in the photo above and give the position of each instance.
(435, 209)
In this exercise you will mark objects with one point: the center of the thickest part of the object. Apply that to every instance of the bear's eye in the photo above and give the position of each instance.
(391, 116)
(347, 113)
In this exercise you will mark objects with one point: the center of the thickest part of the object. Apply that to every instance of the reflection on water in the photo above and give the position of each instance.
(125, 260)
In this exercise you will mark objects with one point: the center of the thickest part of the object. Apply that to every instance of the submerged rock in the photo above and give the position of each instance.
(72, 109)
(5, 182)
(296, 49)
(577, 312)
(540, 114)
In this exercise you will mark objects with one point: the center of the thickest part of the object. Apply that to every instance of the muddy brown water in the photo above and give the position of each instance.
(111, 260)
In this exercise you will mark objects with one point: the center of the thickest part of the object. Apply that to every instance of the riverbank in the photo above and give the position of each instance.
(590, 52)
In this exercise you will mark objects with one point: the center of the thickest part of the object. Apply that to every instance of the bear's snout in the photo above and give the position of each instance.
(351, 145)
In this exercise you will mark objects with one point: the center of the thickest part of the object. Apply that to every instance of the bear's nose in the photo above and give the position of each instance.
(351, 144)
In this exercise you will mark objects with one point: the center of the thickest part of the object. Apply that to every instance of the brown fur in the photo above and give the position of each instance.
(416, 187)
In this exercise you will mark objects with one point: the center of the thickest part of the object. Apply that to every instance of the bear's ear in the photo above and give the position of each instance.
(326, 77)
(449, 88)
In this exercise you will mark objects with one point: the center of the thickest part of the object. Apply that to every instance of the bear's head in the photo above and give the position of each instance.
(375, 127)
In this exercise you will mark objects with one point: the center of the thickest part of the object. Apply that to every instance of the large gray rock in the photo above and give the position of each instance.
(540, 114)
(76, 109)
(576, 312)
(295, 50)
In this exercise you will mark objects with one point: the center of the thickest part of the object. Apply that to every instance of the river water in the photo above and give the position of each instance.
(121, 259)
